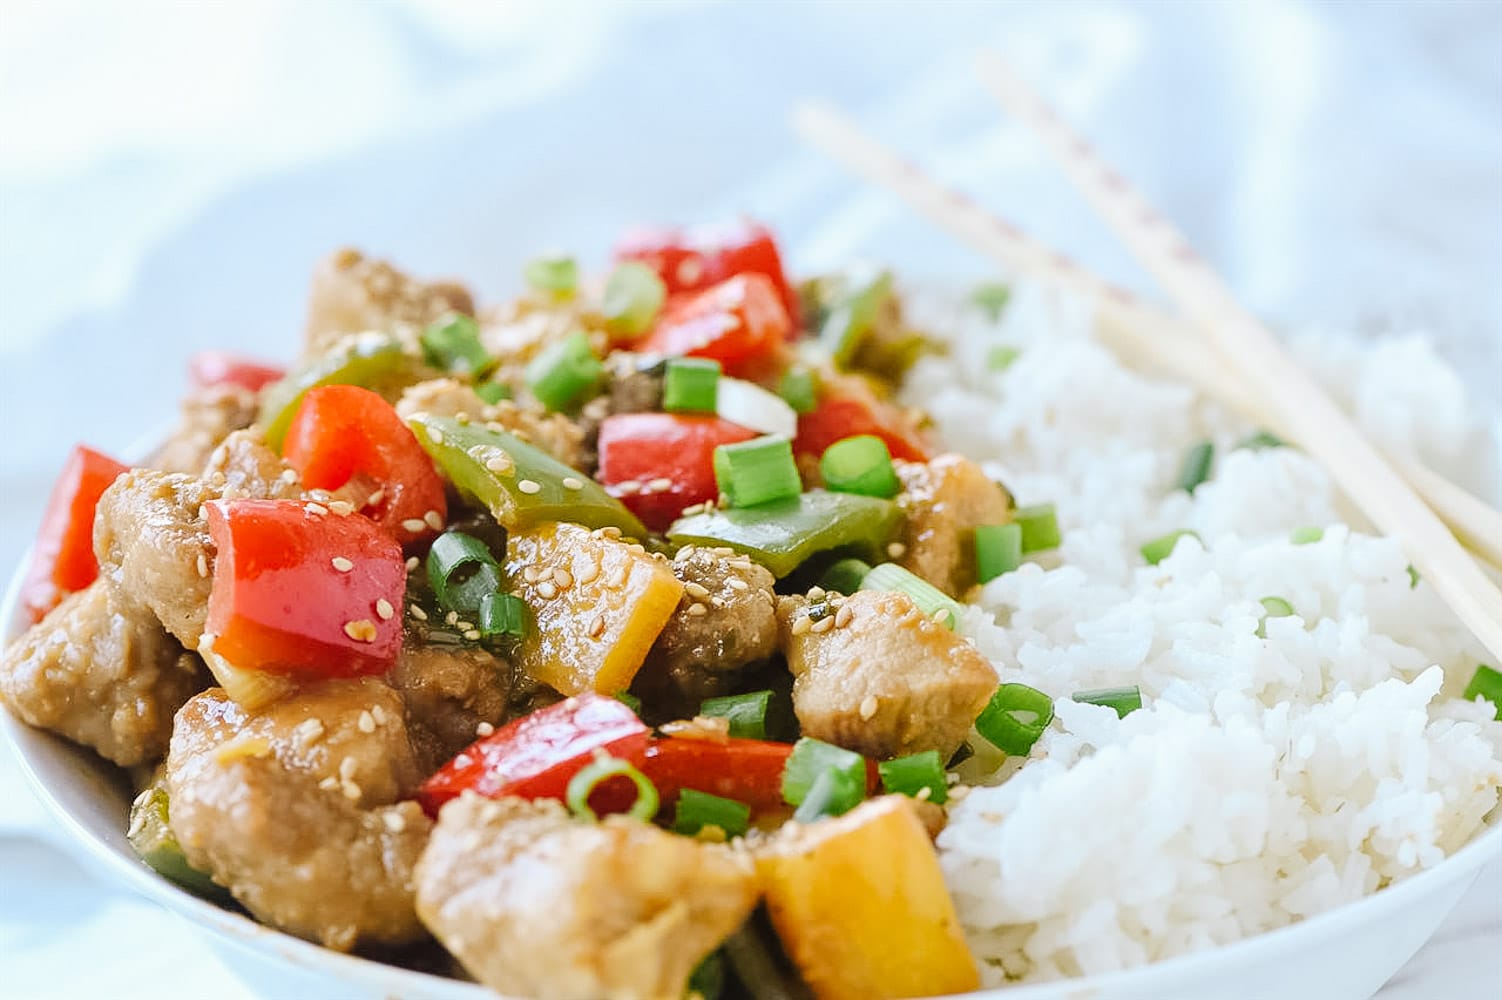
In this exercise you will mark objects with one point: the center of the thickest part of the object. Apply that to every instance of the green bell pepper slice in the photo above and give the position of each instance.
(152, 840)
(781, 535)
(372, 360)
(519, 483)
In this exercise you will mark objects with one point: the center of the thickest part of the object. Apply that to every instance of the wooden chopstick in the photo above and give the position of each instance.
(1131, 326)
(1299, 403)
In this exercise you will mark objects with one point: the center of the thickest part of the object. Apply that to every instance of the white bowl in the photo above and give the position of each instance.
(1348, 952)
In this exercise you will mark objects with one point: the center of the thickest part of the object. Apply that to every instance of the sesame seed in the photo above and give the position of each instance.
(366, 723)
(697, 610)
(435, 435)
(395, 821)
(563, 578)
(347, 768)
(868, 706)
(416, 525)
(309, 730)
(546, 590)
(690, 511)
(736, 583)
(329, 784)
(636, 548)
(924, 793)
(686, 552)
(452, 618)
(363, 630)
(463, 626)
(472, 634)
(609, 531)
(203, 564)
(531, 574)
(589, 573)
(802, 624)
(484, 729)
(842, 617)
(529, 487)
(695, 590)
(316, 509)
(661, 484)
(941, 615)
(376, 497)
(379, 714)
(288, 476)
(896, 550)
(434, 520)
(822, 625)
(597, 627)
(570, 483)
(342, 564)
(816, 593)
(412, 563)
(351, 790)
(499, 463)
(384, 609)
(341, 507)
(417, 613)
(628, 487)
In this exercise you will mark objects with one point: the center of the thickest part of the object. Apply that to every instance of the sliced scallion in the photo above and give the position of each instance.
(1486, 683)
(1162, 547)
(746, 713)
(696, 810)
(1274, 607)
(1000, 357)
(634, 294)
(690, 385)
(1124, 700)
(1196, 467)
(1014, 718)
(910, 775)
(799, 388)
(564, 372)
(845, 576)
(462, 571)
(929, 599)
(758, 471)
(1040, 527)
(991, 298)
(493, 392)
(810, 759)
(860, 464)
(453, 345)
(851, 319)
(555, 275)
(998, 550)
(603, 768)
(502, 616)
(1307, 535)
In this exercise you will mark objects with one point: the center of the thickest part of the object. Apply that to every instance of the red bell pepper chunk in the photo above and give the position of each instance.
(62, 560)
(534, 757)
(300, 592)
(748, 771)
(741, 323)
(847, 407)
(689, 260)
(639, 452)
(209, 368)
(343, 431)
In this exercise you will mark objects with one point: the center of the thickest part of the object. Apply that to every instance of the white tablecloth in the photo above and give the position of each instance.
(168, 172)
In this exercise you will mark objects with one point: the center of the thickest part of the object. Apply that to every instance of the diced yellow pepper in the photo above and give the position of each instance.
(861, 907)
(598, 605)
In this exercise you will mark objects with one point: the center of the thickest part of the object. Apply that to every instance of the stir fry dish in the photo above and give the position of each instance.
(606, 638)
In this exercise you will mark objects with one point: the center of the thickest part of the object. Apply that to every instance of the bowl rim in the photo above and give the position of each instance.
(246, 934)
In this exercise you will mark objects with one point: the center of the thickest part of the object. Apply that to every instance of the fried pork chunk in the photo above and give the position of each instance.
(209, 415)
(296, 809)
(945, 500)
(449, 692)
(352, 293)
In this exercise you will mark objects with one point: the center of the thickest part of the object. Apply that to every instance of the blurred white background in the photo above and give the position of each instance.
(169, 171)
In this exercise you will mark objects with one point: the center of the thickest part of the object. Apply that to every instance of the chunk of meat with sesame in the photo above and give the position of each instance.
(536, 904)
(725, 620)
(100, 670)
(248, 469)
(152, 540)
(448, 397)
(353, 293)
(297, 809)
(874, 674)
(450, 692)
(209, 415)
(945, 500)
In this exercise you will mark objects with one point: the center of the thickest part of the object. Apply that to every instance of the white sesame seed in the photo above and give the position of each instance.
(412, 563)
(609, 531)
(463, 626)
(347, 768)
(802, 624)
(434, 520)
(695, 590)
(941, 615)
(341, 507)
(435, 435)
(529, 487)
(376, 497)
(451, 618)
(203, 564)
(417, 612)
(697, 610)
(351, 791)
(822, 625)
(736, 583)
(815, 593)
(384, 609)
(316, 509)
(842, 617)
(570, 483)
(395, 821)
(690, 511)
(342, 564)
(472, 634)
(329, 784)
(896, 550)
(379, 713)
(617, 579)
(366, 723)
(869, 706)
(484, 729)
(563, 578)
(415, 525)
(498, 463)
(546, 590)
(589, 573)
(661, 484)
(362, 630)
(627, 487)
(597, 627)
(309, 730)
(288, 476)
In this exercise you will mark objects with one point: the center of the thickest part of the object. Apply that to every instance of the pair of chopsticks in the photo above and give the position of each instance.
(1217, 335)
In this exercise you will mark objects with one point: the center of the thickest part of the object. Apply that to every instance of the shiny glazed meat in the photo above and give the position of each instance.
(353, 293)
(945, 500)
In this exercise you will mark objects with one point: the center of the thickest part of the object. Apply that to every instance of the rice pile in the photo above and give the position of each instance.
(1264, 780)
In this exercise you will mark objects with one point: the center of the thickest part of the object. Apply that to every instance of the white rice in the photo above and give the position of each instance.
(1264, 780)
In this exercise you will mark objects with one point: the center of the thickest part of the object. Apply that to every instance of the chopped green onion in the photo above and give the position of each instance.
(848, 322)
(912, 774)
(800, 389)
(1262, 439)
(604, 767)
(1413, 577)
(1015, 718)
(564, 371)
(1000, 357)
(1276, 607)
(1306, 535)
(998, 550)
(634, 294)
(1486, 683)
(630, 700)
(1162, 547)
(746, 713)
(929, 599)
(453, 345)
(1040, 527)
(991, 298)
(860, 464)
(558, 275)
(502, 615)
(696, 810)
(462, 570)
(1196, 467)
(493, 392)
(845, 576)
(690, 385)
(810, 759)
(1125, 700)
(758, 471)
